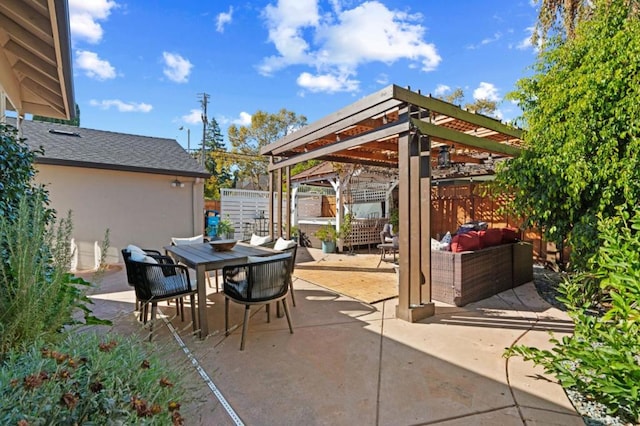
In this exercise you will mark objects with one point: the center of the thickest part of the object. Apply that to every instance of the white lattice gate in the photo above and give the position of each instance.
(248, 210)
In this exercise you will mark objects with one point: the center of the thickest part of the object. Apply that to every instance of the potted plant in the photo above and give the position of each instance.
(328, 235)
(294, 232)
(222, 230)
(226, 229)
(344, 231)
(394, 220)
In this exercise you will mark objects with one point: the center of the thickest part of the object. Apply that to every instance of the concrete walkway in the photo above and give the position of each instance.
(350, 363)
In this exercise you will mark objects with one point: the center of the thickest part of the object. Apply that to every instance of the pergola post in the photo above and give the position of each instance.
(414, 214)
(278, 206)
(293, 189)
(287, 206)
(271, 194)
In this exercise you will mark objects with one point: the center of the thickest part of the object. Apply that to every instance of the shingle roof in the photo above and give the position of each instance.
(80, 147)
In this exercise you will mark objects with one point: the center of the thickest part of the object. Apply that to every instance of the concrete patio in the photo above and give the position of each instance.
(351, 363)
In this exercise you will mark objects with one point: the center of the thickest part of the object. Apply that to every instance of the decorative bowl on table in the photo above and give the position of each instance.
(222, 245)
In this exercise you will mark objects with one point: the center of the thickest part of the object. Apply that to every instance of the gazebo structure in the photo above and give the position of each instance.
(399, 128)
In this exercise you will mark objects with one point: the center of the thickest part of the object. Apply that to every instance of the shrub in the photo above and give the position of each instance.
(86, 380)
(327, 233)
(601, 359)
(38, 296)
(16, 172)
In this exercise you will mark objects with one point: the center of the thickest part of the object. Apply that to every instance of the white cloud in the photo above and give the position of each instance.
(336, 43)
(526, 44)
(194, 117)
(93, 66)
(441, 89)
(486, 91)
(327, 83)
(176, 68)
(84, 16)
(223, 19)
(244, 119)
(121, 105)
(496, 36)
(382, 79)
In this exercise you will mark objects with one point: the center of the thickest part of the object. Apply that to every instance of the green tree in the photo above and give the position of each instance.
(216, 162)
(559, 18)
(479, 106)
(72, 122)
(264, 129)
(456, 97)
(581, 109)
(305, 165)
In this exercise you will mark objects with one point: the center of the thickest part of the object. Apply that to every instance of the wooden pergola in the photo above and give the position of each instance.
(397, 128)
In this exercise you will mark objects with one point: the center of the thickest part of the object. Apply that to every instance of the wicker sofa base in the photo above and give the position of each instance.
(461, 278)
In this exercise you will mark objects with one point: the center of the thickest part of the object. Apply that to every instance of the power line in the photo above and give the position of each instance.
(240, 155)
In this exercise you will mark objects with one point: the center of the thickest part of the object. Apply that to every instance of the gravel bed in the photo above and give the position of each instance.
(592, 412)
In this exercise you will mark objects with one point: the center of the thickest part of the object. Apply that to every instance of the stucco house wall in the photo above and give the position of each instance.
(120, 182)
(143, 209)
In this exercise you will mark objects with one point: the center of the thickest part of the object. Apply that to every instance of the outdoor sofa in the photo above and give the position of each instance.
(459, 278)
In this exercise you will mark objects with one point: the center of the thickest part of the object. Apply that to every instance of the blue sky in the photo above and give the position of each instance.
(139, 66)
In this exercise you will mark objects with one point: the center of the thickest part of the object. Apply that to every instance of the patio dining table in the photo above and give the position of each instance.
(203, 258)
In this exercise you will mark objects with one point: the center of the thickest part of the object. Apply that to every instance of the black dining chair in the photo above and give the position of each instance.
(158, 278)
(293, 249)
(260, 281)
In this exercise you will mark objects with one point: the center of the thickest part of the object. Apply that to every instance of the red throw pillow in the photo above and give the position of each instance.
(468, 241)
(490, 237)
(509, 235)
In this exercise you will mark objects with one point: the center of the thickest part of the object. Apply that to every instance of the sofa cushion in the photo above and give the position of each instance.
(257, 240)
(469, 241)
(490, 237)
(509, 235)
(282, 244)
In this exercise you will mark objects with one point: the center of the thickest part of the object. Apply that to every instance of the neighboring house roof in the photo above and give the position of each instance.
(66, 145)
(35, 57)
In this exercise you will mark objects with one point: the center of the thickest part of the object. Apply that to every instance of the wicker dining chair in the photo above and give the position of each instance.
(156, 279)
(260, 281)
(130, 279)
(198, 239)
(289, 247)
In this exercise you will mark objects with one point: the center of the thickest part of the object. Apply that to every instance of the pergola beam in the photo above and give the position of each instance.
(331, 125)
(464, 138)
(450, 110)
(342, 145)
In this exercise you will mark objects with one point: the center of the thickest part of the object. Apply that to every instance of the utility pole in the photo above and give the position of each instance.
(204, 100)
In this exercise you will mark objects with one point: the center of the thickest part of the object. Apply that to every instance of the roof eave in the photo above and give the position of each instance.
(119, 167)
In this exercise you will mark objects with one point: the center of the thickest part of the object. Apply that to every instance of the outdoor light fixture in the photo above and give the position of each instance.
(443, 157)
(177, 184)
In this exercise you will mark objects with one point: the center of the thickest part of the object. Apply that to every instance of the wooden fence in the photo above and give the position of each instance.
(451, 206)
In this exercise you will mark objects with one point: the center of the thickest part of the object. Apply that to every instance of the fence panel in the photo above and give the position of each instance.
(248, 210)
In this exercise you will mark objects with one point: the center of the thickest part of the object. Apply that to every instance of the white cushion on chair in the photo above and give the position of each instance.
(136, 256)
(257, 240)
(135, 249)
(282, 244)
(198, 239)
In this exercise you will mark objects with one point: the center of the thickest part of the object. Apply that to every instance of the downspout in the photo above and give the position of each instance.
(3, 106)
(194, 212)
